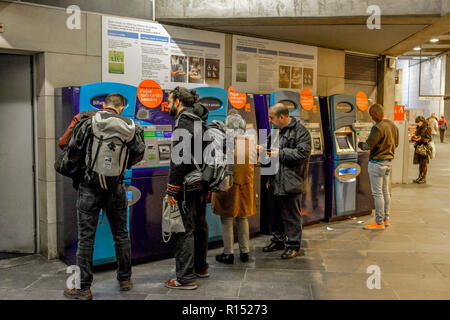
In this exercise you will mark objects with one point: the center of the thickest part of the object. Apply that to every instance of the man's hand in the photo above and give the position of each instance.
(274, 152)
(172, 201)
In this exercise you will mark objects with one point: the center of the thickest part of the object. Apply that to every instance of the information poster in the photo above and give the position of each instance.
(264, 66)
(136, 50)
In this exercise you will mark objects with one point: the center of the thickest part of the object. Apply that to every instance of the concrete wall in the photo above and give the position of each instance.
(67, 57)
(330, 71)
(142, 9)
(292, 8)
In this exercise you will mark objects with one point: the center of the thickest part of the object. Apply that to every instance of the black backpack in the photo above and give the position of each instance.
(215, 173)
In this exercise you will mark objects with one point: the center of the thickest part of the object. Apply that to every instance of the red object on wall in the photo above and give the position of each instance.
(399, 113)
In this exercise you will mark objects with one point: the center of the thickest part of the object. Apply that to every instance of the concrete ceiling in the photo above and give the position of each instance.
(398, 34)
(349, 37)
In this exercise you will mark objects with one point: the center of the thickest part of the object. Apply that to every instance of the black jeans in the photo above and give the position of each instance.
(191, 247)
(114, 204)
(287, 221)
(442, 134)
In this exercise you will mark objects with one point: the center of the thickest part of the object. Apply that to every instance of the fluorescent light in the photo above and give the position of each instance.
(434, 40)
(417, 48)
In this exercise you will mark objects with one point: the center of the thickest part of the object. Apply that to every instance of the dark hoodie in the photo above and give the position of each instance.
(179, 171)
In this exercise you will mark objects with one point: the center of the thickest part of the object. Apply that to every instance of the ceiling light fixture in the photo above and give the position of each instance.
(434, 40)
(417, 48)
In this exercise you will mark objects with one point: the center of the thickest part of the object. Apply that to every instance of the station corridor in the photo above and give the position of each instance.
(413, 255)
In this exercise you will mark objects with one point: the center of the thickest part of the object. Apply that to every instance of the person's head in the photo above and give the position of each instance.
(279, 115)
(180, 98)
(433, 115)
(442, 117)
(376, 112)
(235, 122)
(115, 101)
(420, 120)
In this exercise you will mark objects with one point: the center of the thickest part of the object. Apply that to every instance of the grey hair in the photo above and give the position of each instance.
(235, 122)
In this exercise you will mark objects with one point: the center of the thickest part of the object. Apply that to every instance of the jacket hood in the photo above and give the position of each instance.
(200, 110)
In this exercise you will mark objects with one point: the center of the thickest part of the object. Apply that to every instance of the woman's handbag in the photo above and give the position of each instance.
(172, 220)
(423, 150)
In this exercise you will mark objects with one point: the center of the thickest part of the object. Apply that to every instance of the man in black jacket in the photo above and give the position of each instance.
(191, 247)
(289, 182)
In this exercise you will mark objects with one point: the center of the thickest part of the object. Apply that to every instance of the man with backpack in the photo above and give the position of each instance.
(442, 128)
(105, 144)
(191, 246)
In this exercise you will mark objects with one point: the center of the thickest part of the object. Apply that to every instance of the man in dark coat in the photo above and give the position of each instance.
(289, 182)
(191, 247)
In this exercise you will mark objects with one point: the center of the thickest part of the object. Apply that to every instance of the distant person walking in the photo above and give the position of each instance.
(442, 124)
(382, 142)
(422, 137)
(433, 123)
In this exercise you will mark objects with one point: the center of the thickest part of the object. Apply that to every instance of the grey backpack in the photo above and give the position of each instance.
(107, 152)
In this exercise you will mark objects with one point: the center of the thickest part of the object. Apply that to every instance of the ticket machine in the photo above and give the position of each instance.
(338, 115)
(216, 100)
(146, 181)
(313, 201)
(362, 126)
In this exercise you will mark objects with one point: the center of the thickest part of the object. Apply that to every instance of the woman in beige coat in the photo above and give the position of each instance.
(239, 201)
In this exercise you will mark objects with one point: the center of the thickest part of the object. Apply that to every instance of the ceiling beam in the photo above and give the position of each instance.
(439, 27)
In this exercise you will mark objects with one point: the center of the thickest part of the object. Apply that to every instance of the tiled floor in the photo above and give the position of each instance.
(413, 255)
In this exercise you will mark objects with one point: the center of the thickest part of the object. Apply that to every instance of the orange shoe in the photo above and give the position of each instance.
(374, 226)
(387, 223)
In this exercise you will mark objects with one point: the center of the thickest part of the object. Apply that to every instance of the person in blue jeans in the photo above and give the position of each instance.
(382, 142)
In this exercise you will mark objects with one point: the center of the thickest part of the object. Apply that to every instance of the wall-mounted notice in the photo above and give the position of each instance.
(136, 50)
(263, 66)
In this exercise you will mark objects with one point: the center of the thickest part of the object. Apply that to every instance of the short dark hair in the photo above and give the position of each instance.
(115, 100)
(186, 97)
(376, 111)
(280, 109)
(420, 118)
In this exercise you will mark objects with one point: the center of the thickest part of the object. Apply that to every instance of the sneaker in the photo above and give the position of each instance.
(78, 294)
(387, 223)
(125, 285)
(204, 274)
(290, 253)
(374, 226)
(174, 284)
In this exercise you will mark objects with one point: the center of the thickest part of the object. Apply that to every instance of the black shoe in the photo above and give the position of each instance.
(274, 246)
(225, 258)
(290, 253)
(244, 257)
(125, 285)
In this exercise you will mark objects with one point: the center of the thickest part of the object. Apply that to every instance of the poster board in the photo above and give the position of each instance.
(264, 66)
(135, 50)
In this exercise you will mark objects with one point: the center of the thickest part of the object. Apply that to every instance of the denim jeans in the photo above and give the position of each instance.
(191, 247)
(379, 181)
(114, 204)
(286, 221)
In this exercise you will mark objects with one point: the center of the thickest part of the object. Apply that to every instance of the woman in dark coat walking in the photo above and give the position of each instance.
(422, 136)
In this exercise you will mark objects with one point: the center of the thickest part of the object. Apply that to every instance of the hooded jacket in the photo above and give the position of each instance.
(177, 172)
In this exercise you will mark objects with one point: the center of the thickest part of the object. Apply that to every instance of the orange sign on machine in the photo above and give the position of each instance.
(361, 101)
(399, 113)
(150, 94)
(307, 99)
(238, 99)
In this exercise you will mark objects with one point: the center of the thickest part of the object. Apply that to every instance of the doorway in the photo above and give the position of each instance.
(17, 173)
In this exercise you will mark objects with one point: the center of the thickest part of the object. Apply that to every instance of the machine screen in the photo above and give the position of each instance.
(342, 143)
(344, 171)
